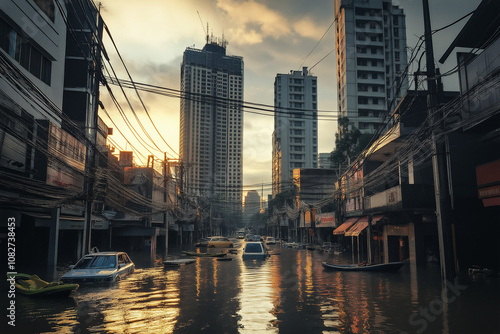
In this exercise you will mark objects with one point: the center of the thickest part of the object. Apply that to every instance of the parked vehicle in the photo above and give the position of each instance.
(255, 250)
(100, 267)
(203, 242)
(253, 237)
(326, 246)
(270, 241)
(221, 242)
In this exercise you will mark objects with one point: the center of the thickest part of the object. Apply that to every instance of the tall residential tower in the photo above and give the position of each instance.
(295, 136)
(211, 123)
(371, 60)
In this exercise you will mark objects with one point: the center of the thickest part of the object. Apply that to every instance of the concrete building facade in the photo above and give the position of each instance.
(371, 60)
(295, 136)
(211, 123)
(324, 161)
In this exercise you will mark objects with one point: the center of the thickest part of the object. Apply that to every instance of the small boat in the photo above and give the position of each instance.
(477, 270)
(225, 259)
(177, 262)
(390, 266)
(205, 254)
(32, 285)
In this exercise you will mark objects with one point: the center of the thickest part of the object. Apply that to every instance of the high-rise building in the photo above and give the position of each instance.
(295, 136)
(252, 203)
(211, 123)
(324, 160)
(371, 60)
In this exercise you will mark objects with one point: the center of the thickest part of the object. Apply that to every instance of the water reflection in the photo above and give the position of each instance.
(150, 300)
(256, 297)
(287, 293)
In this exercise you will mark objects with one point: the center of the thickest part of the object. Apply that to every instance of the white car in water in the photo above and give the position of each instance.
(100, 268)
(270, 241)
(255, 251)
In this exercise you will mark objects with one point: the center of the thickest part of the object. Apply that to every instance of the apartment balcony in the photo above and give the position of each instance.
(370, 31)
(370, 80)
(369, 16)
(402, 197)
(380, 93)
(369, 43)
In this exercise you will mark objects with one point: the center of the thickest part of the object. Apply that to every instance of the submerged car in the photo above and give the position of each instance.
(100, 268)
(270, 241)
(255, 250)
(221, 242)
(202, 243)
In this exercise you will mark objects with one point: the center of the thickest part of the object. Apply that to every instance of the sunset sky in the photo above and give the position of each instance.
(273, 36)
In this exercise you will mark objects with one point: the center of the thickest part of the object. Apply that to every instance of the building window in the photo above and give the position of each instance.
(362, 75)
(360, 49)
(362, 62)
(28, 56)
(362, 100)
(363, 113)
(362, 88)
(46, 6)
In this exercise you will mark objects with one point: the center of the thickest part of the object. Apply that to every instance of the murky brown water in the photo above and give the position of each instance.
(288, 293)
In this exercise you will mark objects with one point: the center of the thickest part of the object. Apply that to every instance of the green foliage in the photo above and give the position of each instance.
(348, 143)
(287, 196)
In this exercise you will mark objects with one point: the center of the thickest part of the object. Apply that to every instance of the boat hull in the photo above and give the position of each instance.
(177, 262)
(205, 254)
(32, 285)
(391, 266)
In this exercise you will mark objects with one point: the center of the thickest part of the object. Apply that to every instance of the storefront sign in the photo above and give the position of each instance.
(325, 220)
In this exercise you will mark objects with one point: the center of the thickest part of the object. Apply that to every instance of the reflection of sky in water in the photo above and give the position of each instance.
(141, 302)
(287, 293)
(256, 297)
(155, 310)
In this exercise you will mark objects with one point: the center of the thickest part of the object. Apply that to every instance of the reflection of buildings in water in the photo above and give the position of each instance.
(256, 301)
(364, 301)
(114, 312)
(276, 280)
(309, 282)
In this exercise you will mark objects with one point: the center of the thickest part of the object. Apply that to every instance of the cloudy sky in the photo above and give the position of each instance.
(272, 36)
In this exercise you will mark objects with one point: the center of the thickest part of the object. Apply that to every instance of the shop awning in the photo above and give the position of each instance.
(345, 226)
(361, 224)
(357, 229)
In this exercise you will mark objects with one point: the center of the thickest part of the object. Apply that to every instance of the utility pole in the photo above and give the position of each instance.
(166, 175)
(439, 164)
(91, 134)
(370, 240)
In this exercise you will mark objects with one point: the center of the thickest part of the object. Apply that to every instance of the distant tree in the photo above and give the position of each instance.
(349, 143)
(287, 196)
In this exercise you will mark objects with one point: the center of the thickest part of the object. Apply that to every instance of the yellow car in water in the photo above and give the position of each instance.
(219, 242)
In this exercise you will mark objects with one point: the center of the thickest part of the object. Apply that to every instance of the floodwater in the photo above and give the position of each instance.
(290, 292)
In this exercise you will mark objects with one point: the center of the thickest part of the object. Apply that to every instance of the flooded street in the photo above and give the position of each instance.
(290, 292)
